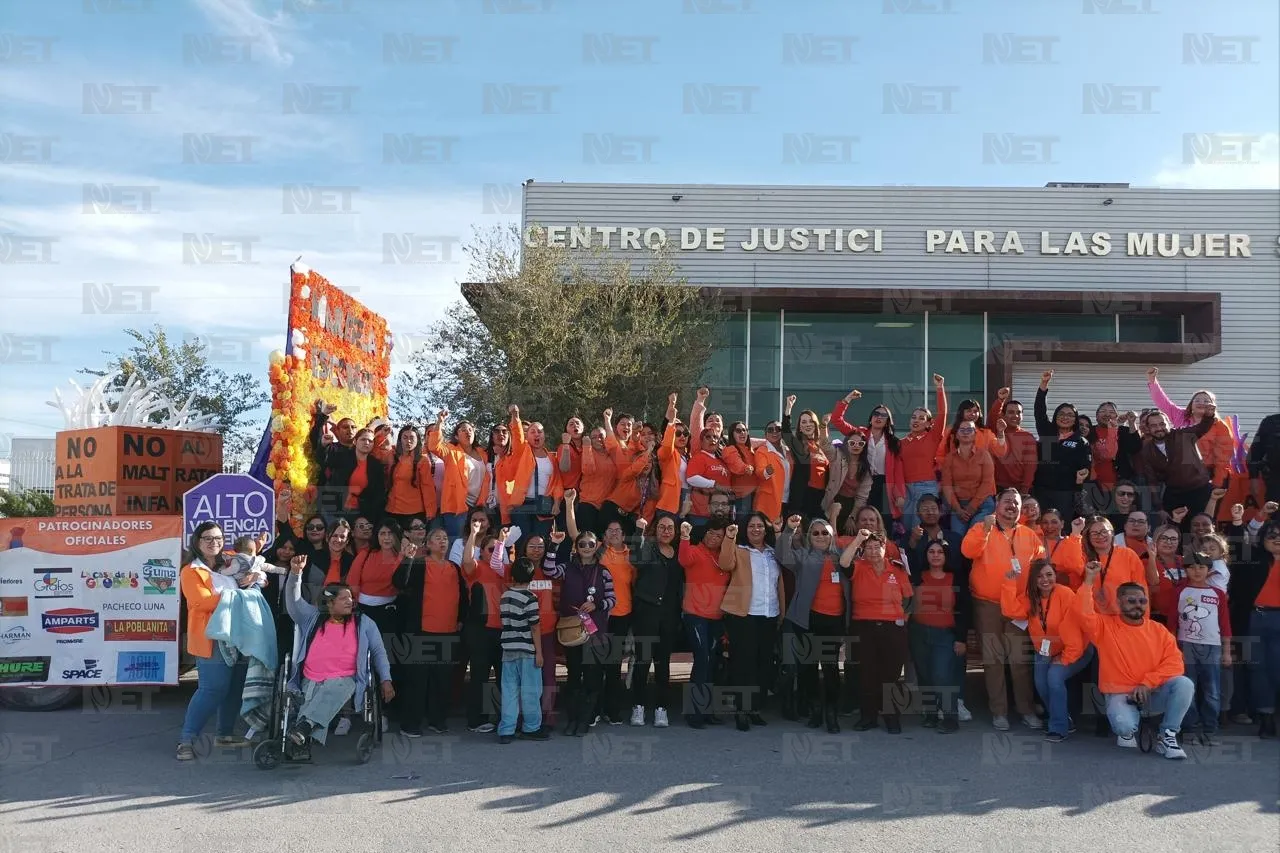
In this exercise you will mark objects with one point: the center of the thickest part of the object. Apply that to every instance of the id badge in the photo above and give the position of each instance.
(1044, 647)
(539, 585)
(1016, 566)
(835, 577)
(899, 622)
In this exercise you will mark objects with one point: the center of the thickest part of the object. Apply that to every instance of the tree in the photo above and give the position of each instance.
(27, 503)
(560, 333)
(179, 370)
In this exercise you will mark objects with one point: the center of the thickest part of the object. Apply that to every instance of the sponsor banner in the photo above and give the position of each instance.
(77, 588)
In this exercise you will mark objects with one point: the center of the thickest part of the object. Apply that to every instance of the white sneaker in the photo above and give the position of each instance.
(1167, 745)
(1127, 741)
(637, 715)
(1031, 721)
(594, 722)
(965, 716)
(343, 727)
(1000, 722)
(660, 720)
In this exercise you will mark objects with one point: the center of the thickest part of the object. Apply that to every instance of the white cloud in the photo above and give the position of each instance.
(1259, 166)
(240, 18)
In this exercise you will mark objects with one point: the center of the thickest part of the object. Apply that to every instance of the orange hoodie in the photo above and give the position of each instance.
(517, 475)
(598, 476)
(453, 493)
(1059, 623)
(991, 554)
(1065, 554)
(1121, 565)
(1128, 655)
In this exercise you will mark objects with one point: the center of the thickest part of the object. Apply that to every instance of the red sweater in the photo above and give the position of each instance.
(1017, 468)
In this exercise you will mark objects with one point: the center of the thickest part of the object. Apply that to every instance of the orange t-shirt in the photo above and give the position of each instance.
(878, 598)
(936, 601)
(618, 562)
(598, 477)
(440, 595)
(371, 572)
(571, 478)
(704, 583)
(1269, 595)
(545, 589)
(828, 599)
(359, 480)
(710, 466)
(404, 498)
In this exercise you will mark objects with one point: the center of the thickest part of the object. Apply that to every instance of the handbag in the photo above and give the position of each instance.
(542, 504)
(570, 631)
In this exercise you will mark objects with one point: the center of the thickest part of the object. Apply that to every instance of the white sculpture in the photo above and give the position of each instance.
(135, 404)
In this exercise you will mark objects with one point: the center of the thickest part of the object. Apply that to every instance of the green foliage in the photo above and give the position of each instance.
(561, 334)
(27, 503)
(178, 370)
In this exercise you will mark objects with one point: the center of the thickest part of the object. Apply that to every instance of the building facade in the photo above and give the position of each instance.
(876, 288)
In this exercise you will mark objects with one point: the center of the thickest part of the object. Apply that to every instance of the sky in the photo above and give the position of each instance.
(164, 161)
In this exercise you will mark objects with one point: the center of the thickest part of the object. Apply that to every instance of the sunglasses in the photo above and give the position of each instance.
(773, 429)
(1126, 494)
(681, 434)
(587, 545)
(315, 527)
(819, 533)
(739, 429)
(966, 431)
(1273, 536)
(879, 414)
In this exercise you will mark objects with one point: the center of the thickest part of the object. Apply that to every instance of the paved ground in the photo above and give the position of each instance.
(102, 778)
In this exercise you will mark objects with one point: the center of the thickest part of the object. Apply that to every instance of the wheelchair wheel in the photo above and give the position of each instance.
(268, 754)
(365, 746)
(1146, 737)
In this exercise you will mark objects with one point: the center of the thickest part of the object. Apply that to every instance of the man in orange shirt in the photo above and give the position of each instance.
(1140, 665)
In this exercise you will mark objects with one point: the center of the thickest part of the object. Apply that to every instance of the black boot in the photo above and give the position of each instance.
(1266, 725)
(815, 718)
(950, 724)
(832, 717)
(893, 723)
(787, 697)
(741, 721)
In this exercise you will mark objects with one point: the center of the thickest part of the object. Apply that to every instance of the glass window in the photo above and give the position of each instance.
(1150, 329)
(1098, 328)
(956, 351)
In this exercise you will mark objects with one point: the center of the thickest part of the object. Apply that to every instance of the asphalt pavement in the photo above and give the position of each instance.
(102, 777)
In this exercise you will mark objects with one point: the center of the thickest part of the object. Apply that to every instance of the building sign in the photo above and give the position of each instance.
(933, 241)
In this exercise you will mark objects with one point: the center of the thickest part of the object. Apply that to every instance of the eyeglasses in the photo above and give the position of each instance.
(1273, 536)
(819, 533)
(1126, 494)
(773, 429)
(1136, 521)
(1174, 539)
(1102, 532)
(966, 431)
(417, 527)
(212, 539)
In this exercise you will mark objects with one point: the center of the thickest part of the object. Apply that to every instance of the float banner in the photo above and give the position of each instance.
(89, 601)
(339, 352)
(239, 504)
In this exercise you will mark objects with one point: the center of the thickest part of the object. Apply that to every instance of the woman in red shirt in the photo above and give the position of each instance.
(1169, 573)
(740, 458)
(704, 587)
(881, 590)
(938, 634)
(432, 601)
(366, 489)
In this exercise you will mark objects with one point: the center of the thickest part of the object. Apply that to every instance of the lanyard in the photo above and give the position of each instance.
(1044, 612)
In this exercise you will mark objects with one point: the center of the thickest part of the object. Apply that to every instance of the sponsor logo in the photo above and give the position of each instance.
(121, 606)
(92, 669)
(146, 630)
(13, 605)
(16, 634)
(10, 581)
(138, 667)
(19, 670)
(109, 580)
(53, 583)
(69, 620)
(161, 578)
(63, 642)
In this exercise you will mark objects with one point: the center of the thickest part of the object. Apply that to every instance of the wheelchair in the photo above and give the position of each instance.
(365, 713)
(1148, 726)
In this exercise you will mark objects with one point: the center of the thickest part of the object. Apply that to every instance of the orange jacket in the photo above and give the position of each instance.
(1061, 623)
(669, 464)
(453, 493)
(741, 464)
(201, 600)
(769, 488)
(630, 461)
(403, 498)
(598, 476)
(1128, 655)
(517, 475)
(1120, 566)
(991, 553)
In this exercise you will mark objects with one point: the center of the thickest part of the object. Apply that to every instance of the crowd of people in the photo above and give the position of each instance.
(813, 571)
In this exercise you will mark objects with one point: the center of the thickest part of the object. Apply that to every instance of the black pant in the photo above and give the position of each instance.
(611, 512)
(613, 699)
(427, 678)
(806, 501)
(588, 518)
(751, 641)
(882, 654)
(387, 618)
(1193, 499)
(1064, 501)
(877, 497)
(484, 653)
(586, 675)
(813, 648)
(655, 629)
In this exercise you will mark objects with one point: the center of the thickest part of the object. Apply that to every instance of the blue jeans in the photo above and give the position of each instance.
(1051, 684)
(1264, 662)
(939, 670)
(915, 491)
(960, 528)
(703, 635)
(521, 695)
(529, 524)
(1204, 668)
(453, 523)
(219, 691)
(1173, 698)
(742, 508)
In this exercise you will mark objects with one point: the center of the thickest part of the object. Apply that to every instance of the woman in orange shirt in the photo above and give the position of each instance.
(971, 410)
(673, 460)
(412, 491)
(466, 472)
(432, 602)
(633, 458)
(1118, 565)
(1057, 546)
(881, 590)
(704, 589)
(917, 451)
(366, 489)
(1052, 618)
(968, 480)
(616, 558)
(739, 457)
(599, 475)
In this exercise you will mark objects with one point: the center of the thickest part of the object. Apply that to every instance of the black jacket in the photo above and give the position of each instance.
(337, 463)
(409, 579)
(1060, 458)
(659, 580)
(1264, 455)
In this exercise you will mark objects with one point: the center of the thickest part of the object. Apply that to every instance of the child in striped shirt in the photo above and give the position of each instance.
(521, 658)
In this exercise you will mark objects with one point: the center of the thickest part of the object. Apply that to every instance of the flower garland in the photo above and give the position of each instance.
(341, 354)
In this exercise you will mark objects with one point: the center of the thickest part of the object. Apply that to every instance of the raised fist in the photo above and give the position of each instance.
(731, 531)
(1004, 394)
(1152, 373)
(570, 495)
(1178, 514)
(1077, 526)
(686, 529)
(938, 380)
(1046, 377)
(1218, 494)
(794, 522)
(703, 393)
